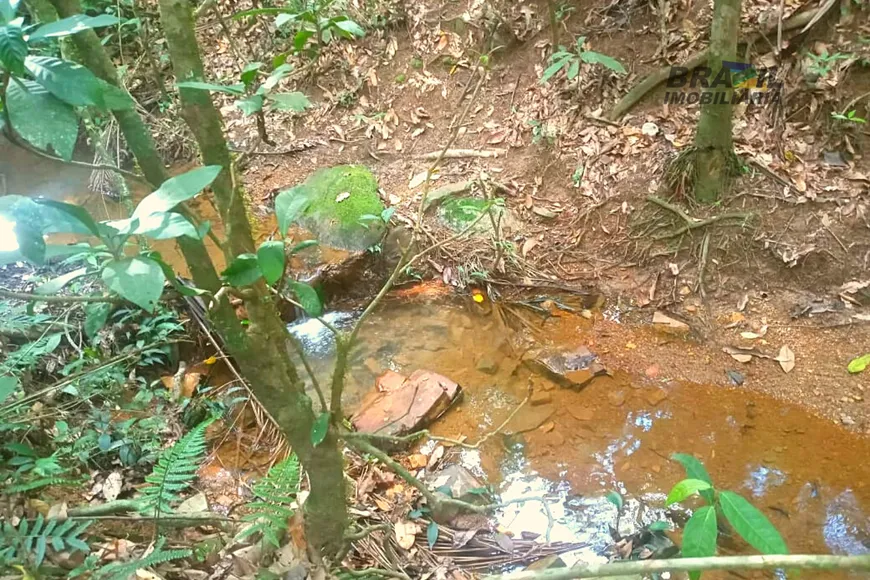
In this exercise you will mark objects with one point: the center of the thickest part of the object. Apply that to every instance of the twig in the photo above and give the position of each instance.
(369, 572)
(646, 567)
(55, 299)
(460, 153)
(779, 27)
(705, 248)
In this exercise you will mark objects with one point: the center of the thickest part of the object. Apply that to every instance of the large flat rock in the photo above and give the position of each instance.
(399, 405)
(573, 368)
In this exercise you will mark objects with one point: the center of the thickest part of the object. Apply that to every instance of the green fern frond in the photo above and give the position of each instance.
(174, 472)
(28, 542)
(275, 492)
(123, 570)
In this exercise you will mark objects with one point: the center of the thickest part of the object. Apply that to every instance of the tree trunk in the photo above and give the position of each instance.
(141, 144)
(713, 140)
(264, 357)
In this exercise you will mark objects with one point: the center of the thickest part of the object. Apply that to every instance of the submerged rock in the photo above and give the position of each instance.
(573, 368)
(343, 208)
(399, 405)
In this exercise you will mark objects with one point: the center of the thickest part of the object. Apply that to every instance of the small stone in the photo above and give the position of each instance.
(581, 413)
(616, 398)
(548, 426)
(847, 420)
(685, 291)
(652, 371)
(540, 398)
(656, 396)
(586, 313)
(691, 308)
(573, 368)
(487, 364)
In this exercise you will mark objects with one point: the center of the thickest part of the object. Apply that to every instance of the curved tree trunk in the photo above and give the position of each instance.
(713, 140)
(264, 358)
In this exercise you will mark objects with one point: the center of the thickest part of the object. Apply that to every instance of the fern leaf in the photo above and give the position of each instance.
(123, 570)
(28, 543)
(40, 483)
(276, 491)
(174, 472)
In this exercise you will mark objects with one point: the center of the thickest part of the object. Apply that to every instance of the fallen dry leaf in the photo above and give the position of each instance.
(406, 533)
(112, 486)
(660, 317)
(785, 358)
(529, 245)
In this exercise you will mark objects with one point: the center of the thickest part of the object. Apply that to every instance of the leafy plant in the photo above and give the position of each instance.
(27, 543)
(311, 22)
(124, 570)
(859, 364)
(275, 493)
(571, 59)
(254, 96)
(849, 117)
(822, 64)
(175, 470)
(701, 532)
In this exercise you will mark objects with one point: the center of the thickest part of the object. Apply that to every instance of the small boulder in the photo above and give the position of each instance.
(488, 364)
(573, 368)
(461, 483)
(399, 405)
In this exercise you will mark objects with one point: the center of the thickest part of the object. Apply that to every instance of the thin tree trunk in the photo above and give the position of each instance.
(713, 140)
(141, 144)
(264, 359)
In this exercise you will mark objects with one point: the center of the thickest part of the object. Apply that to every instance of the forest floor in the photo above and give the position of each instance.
(576, 186)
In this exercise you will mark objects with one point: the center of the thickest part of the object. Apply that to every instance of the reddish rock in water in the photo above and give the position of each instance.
(398, 405)
(573, 368)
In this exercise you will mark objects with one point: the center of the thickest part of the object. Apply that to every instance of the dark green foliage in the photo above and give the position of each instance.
(275, 493)
(27, 543)
(124, 570)
(174, 472)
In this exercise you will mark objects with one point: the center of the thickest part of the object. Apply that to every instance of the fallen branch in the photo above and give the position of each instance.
(55, 299)
(690, 222)
(656, 78)
(460, 153)
(644, 567)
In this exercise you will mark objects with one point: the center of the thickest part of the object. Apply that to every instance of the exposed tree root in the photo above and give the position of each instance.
(694, 223)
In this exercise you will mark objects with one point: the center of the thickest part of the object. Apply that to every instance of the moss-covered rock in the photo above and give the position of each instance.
(339, 196)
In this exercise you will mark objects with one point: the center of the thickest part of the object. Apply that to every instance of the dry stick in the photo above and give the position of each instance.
(698, 59)
(343, 345)
(643, 567)
(55, 299)
(460, 153)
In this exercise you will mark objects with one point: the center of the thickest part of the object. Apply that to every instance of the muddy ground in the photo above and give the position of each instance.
(795, 275)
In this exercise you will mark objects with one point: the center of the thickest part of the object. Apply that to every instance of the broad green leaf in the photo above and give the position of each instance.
(76, 85)
(308, 298)
(857, 365)
(139, 280)
(432, 534)
(751, 524)
(301, 38)
(244, 270)
(7, 10)
(615, 498)
(8, 384)
(13, 49)
(349, 26)
(699, 536)
(72, 25)
(55, 285)
(237, 90)
(160, 226)
(76, 212)
(95, 318)
(303, 245)
(659, 526)
(686, 488)
(270, 257)
(289, 204)
(294, 101)
(592, 57)
(176, 190)
(250, 105)
(319, 429)
(31, 242)
(573, 70)
(556, 65)
(41, 119)
(277, 76)
(249, 73)
(695, 470)
(283, 19)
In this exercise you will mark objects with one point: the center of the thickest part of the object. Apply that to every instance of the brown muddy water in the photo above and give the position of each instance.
(809, 476)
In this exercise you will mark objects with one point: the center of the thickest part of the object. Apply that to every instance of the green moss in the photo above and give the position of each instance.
(340, 196)
(457, 213)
